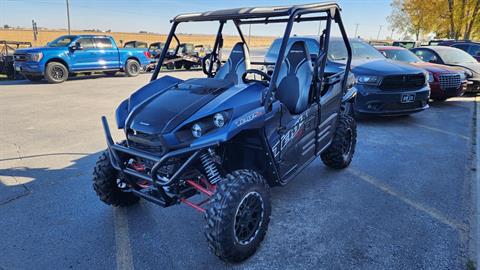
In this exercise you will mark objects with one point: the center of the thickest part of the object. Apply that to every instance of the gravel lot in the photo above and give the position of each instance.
(407, 201)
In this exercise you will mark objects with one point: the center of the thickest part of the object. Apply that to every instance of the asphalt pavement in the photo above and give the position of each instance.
(408, 200)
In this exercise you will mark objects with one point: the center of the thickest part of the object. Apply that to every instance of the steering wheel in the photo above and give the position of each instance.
(265, 77)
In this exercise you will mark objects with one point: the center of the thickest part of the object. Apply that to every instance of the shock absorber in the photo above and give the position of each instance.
(210, 166)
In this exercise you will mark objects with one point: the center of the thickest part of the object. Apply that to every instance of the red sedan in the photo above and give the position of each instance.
(445, 81)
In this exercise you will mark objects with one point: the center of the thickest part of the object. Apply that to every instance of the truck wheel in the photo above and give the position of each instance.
(178, 65)
(56, 72)
(170, 66)
(105, 184)
(132, 68)
(187, 66)
(33, 78)
(237, 216)
(340, 153)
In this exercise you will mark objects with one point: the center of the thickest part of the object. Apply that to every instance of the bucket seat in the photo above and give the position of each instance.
(237, 63)
(295, 78)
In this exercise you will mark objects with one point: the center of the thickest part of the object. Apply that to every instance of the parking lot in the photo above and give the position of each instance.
(407, 200)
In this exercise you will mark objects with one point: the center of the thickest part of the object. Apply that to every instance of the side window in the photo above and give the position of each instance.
(474, 50)
(86, 43)
(103, 43)
(426, 56)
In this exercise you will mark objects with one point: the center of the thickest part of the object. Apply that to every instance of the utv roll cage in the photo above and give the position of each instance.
(268, 15)
(239, 16)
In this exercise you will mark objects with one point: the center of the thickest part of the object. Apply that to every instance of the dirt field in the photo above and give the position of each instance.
(45, 36)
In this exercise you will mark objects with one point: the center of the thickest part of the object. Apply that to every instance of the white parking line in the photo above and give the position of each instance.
(123, 250)
(441, 131)
(477, 179)
(437, 215)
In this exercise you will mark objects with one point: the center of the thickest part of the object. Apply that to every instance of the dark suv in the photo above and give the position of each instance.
(384, 87)
(472, 48)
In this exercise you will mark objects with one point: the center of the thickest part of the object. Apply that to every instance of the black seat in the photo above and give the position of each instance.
(295, 78)
(236, 65)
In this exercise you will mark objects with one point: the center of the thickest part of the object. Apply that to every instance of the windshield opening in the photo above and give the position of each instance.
(62, 41)
(402, 56)
(360, 50)
(455, 56)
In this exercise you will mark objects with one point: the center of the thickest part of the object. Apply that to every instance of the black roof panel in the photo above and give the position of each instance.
(254, 12)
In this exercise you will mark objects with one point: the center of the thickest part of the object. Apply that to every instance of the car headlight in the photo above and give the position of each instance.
(219, 119)
(431, 78)
(36, 57)
(370, 80)
(198, 129)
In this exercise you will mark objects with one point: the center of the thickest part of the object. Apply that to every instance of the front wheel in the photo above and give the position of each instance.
(105, 184)
(56, 72)
(132, 68)
(340, 153)
(238, 215)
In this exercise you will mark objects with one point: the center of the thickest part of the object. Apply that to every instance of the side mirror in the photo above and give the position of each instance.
(77, 46)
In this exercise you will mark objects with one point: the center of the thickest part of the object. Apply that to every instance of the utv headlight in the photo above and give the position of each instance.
(219, 119)
(36, 57)
(370, 80)
(198, 129)
(430, 77)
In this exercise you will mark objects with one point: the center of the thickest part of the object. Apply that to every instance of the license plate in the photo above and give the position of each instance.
(407, 98)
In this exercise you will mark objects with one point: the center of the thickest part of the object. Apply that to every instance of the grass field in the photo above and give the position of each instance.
(45, 36)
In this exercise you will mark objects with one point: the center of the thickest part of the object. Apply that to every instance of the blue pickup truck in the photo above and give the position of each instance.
(72, 54)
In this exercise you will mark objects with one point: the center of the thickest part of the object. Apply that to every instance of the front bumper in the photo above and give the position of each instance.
(29, 68)
(437, 93)
(374, 101)
(473, 86)
(120, 155)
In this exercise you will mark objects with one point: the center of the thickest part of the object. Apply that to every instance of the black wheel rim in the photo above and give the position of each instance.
(133, 69)
(248, 218)
(347, 144)
(57, 73)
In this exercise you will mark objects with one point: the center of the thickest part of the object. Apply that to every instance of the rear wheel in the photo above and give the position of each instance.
(105, 184)
(238, 215)
(132, 68)
(56, 72)
(340, 153)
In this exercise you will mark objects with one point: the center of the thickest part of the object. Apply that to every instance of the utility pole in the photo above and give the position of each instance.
(68, 17)
(379, 30)
(356, 30)
(391, 35)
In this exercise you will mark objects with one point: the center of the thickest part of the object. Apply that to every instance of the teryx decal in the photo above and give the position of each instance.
(247, 118)
(295, 131)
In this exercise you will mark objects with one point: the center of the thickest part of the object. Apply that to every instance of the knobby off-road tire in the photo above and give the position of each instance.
(340, 153)
(237, 216)
(105, 184)
(56, 72)
(132, 68)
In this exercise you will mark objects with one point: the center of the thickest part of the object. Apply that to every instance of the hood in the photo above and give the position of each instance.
(163, 112)
(436, 68)
(40, 49)
(383, 67)
(473, 67)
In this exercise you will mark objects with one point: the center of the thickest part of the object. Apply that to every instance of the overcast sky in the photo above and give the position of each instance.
(154, 15)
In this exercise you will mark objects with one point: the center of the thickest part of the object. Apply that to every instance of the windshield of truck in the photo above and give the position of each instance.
(272, 53)
(360, 50)
(454, 56)
(402, 56)
(62, 41)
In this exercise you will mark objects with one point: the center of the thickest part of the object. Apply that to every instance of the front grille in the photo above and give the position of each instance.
(20, 57)
(450, 81)
(147, 142)
(403, 82)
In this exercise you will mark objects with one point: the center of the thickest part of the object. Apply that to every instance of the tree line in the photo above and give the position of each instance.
(454, 19)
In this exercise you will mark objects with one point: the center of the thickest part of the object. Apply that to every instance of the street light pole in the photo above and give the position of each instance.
(68, 17)
(356, 29)
(379, 30)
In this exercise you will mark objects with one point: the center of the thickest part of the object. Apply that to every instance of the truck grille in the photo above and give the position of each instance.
(450, 81)
(146, 142)
(403, 82)
(20, 57)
